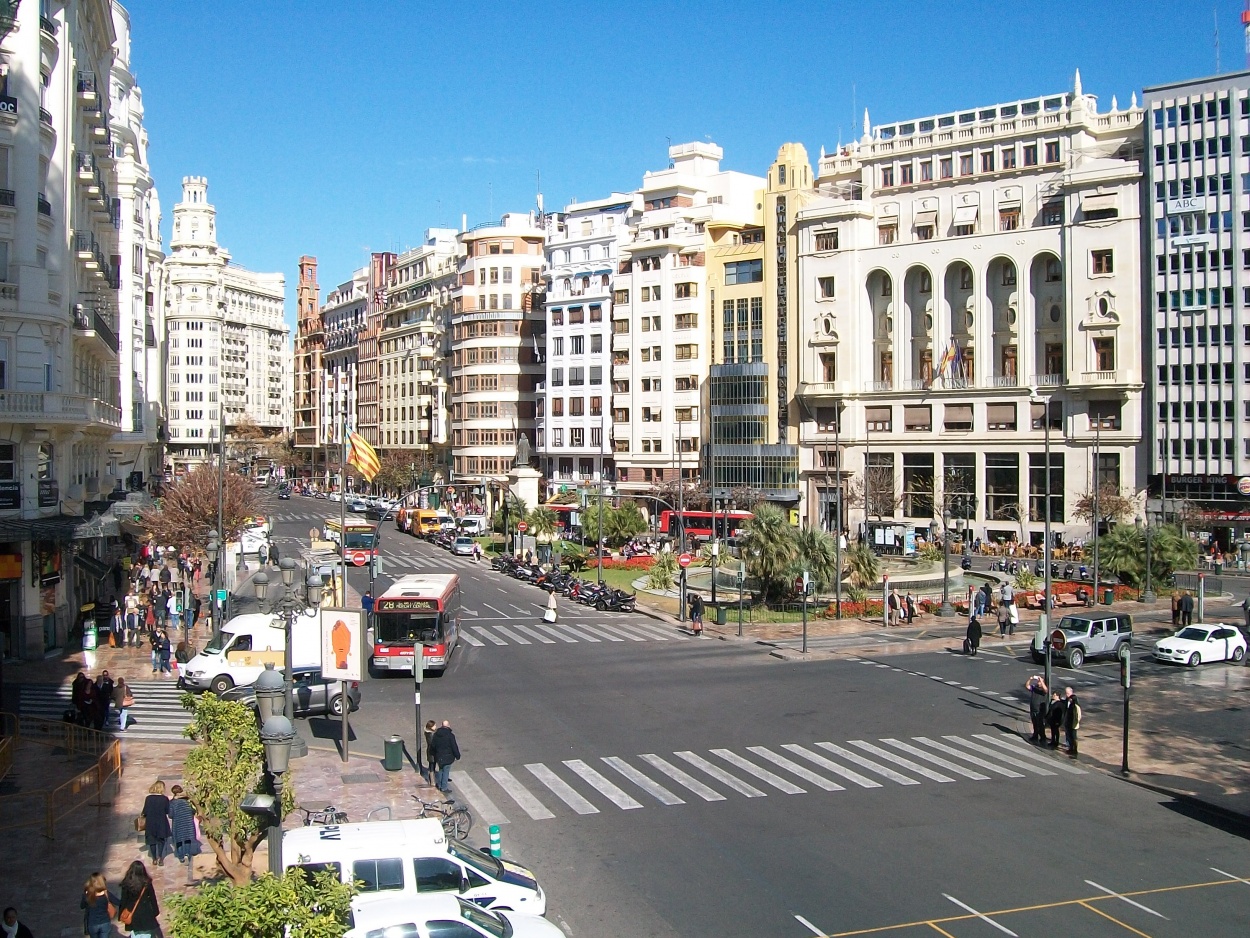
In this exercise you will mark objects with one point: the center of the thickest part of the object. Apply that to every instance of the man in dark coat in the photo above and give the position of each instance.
(1054, 718)
(1071, 719)
(1186, 608)
(1038, 705)
(443, 752)
(974, 635)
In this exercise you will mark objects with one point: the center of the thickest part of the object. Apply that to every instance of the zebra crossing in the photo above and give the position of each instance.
(482, 634)
(544, 792)
(157, 715)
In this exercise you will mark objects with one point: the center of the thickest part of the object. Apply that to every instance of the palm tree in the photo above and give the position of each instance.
(542, 521)
(864, 566)
(771, 547)
(1170, 550)
(817, 556)
(663, 571)
(622, 523)
(1122, 551)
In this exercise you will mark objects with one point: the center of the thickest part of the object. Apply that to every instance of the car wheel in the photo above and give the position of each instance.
(1076, 658)
(1238, 654)
(336, 706)
(221, 684)
(1194, 660)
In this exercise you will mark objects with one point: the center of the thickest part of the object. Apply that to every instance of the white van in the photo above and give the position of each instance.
(247, 643)
(473, 525)
(390, 859)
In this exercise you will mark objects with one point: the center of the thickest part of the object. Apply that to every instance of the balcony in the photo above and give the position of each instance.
(1004, 381)
(1048, 381)
(8, 198)
(87, 91)
(8, 297)
(89, 252)
(873, 386)
(54, 407)
(1098, 377)
(90, 324)
(45, 116)
(47, 24)
(43, 205)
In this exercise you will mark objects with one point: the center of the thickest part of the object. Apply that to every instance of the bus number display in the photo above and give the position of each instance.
(403, 605)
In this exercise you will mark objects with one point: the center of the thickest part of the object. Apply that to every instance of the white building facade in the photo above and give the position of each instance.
(955, 274)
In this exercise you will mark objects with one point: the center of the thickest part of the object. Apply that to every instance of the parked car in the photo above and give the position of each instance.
(1197, 644)
(463, 547)
(314, 695)
(1088, 635)
(357, 507)
(435, 915)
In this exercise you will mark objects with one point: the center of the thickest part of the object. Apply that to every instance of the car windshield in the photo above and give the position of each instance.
(1193, 634)
(484, 864)
(214, 648)
(1073, 624)
(488, 922)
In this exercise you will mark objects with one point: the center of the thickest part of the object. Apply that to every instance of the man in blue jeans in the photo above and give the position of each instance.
(443, 752)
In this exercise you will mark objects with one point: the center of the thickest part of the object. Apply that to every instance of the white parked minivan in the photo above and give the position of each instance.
(390, 859)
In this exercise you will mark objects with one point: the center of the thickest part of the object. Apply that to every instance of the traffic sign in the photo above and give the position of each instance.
(221, 596)
(1058, 641)
(684, 560)
(799, 585)
(359, 557)
(522, 526)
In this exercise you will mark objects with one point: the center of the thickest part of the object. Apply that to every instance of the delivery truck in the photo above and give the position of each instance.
(247, 643)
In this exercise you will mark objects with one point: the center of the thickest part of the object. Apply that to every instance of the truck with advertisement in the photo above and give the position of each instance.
(246, 644)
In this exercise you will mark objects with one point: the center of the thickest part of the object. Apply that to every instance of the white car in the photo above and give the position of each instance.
(435, 915)
(1196, 644)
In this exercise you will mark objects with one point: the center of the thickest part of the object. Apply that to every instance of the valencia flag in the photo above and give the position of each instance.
(363, 456)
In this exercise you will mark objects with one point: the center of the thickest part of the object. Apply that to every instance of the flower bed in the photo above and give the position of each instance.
(633, 563)
(853, 610)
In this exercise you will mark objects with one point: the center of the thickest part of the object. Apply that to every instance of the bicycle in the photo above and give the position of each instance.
(328, 815)
(456, 819)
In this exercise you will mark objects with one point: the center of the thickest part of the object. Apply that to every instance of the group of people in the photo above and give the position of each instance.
(1005, 609)
(170, 823)
(94, 701)
(134, 907)
(900, 609)
(1049, 711)
(441, 751)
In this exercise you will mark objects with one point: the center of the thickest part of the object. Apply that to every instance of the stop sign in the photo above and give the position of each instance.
(522, 526)
(359, 557)
(684, 560)
(1058, 640)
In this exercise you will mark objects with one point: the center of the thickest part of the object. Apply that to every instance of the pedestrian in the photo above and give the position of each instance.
(427, 769)
(893, 603)
(138, 908)
(263, 553)
(195, 611)
(174, 608)
(149, 621)
(122, 702)
(1071, 720)
(165, 651)
(99, 906)
(1186, 606)
(973, 641)
(77, 697)
(987, 598)
(86, 712)
(1038, 705)
(443, 752)
(186, 839)
(12, 928)
(145, 575)
(198, 569)
(155, 641)
(131, 636)
(103, 699)
(117, 634)
(165, 576)
(477, 551)
(552, 612)
(156, 822)
(273, 554)
(1004, 617)
(910, 605)
(1054, 718)
(696, 614)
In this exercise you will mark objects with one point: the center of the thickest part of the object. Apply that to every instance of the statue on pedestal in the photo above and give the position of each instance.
(522, 452)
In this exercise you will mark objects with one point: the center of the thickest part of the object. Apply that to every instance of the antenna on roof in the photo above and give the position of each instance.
(1215, 15)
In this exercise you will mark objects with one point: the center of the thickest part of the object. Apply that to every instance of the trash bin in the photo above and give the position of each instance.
(90, 637)
(1108, 595)
(722, 615)
(393, 760)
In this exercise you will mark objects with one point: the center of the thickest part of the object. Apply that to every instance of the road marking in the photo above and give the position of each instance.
(869, 764)
(804, 922)
(560, 635)
(502, 590)
(682, 778)
(959, 754)
(588, 629)
(736, 784)
(1112, 918)
(936, 760)
(577, 630)
(658, 633)
(609, 791)
(953, 683)
(985, 918)
(934, 677)
(520, 794)
(502, 614)
(562, 789)
(488, 635)
(763, 775)
(820, 760)
(513, 635)
(470, 639)
(481, 802)
(899, 760)
(538, 635)
(652, 788)
(1010, 760)
(796, 769)
(1018, 749)
(1231, 876)
(969, 687)
(1123, 898)
(523, 611)
(616, 629)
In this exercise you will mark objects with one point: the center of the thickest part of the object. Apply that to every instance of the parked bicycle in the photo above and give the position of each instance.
(328, 815)
(456, 819)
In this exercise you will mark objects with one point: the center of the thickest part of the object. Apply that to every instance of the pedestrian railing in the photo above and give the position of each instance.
(74, 739)
(6, 756)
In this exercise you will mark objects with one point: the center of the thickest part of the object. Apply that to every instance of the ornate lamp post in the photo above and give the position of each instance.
(277, 735)
(213, 550)
(946, 609)
(290, 605)
(1147, 594)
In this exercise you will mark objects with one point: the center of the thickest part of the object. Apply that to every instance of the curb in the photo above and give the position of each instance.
(1227, 815)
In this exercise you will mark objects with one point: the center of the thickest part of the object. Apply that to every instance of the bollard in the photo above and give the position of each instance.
(1202, 598)
(496, 841)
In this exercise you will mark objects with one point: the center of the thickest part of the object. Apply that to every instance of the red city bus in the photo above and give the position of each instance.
(699, 523)
(420, 608)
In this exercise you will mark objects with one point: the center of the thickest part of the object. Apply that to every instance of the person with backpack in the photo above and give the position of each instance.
(1071, 720)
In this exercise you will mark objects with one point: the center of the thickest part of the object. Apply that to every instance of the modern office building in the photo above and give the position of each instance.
(955, 273)
(228, 357)
(1197, 291)
(574, 421)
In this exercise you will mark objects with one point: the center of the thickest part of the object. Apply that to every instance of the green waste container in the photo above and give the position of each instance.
(90, 636)
(722, 615)
(1108, 595)
(393, 760)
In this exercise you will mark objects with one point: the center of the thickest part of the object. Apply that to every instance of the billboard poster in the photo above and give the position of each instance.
(342, 632)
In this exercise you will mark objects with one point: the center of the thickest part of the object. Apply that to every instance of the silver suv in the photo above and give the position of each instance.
(1088, 635)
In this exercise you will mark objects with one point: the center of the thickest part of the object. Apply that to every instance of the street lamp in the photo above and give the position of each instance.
(290, 605)
(270, 692)
(1148, 594)
(213, 548)
(278, 736)
(1044, 620)
(946, 609)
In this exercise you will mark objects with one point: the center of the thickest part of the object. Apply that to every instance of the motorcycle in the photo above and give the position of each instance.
(616, 601)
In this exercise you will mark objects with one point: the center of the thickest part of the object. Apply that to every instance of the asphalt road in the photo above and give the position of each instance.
(674, 786)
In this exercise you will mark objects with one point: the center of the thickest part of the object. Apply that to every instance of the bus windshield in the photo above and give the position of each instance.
(407, 628)
(360, 540)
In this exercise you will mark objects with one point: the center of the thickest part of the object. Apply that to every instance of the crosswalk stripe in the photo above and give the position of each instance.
(464, 633)
(562, 789)
(485, 808)
(530, 632)
(1018, 749)
(795, 769)
(820, 760)
(597, 629)
(651, 787)
(560, 635)
(682, 778)
(899, 760)
(609, 790)
(763, 775)
(1010, 760)
(617, 630)
(936, 760)
(869, 764)
(578, 630)
(960, 754)
(658, 632)
(489, 635)
(513, 635)
(720, 775)
(519, 793)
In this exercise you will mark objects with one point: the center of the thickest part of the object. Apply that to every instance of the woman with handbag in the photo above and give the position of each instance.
(186, 839)
(155, 822)
(99, 907)
(138, 909)
(123, 700)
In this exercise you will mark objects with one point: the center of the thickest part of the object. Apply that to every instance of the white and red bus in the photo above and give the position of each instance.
(417, 609)
(361, 541)
(699, 523)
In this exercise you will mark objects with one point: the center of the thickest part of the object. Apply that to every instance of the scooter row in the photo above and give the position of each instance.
(1067, 572)
(601, 596)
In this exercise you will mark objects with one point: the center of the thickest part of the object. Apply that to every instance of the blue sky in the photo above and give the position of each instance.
(340, 128)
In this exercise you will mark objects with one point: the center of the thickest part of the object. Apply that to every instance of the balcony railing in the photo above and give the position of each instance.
(86, 82)
(878, 385)
(8, 292)
(8, 198)
(917, 384)
(53, 407)
(87, 319)
(47, 24)
(45, 116)
(1099, 377)
(1004, 381)
(1048, 381)
(43, 205)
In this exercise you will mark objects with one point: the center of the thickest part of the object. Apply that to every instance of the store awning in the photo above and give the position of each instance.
(95, 568)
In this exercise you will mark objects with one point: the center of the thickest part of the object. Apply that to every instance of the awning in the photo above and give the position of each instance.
(888, 219)
(1099, 202)
(925, 218)
(1009, 205)
(966, 215)
(94, 567)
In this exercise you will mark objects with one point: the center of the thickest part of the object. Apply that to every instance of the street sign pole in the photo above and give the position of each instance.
(1046, 649)
(1126, 679)
(742, 575)
(418, 673)
(804, 581)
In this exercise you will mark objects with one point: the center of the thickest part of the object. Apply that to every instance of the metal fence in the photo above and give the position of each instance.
(1212, 585)
(6, 755)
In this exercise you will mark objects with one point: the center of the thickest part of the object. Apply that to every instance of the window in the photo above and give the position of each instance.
(958, 417)
(379, 875)
(906, 174)
(827, 240)
(918, 485)
(1000, 416)
(744, 272)
(686, 291)
(620, 415)
(686, 321)
(1104, 354)
(682, 352)
(879, 419)
(1054, 271)
(826, 287)
(926, 171)
(577, 345)
(1052, 213)
(1009, 158)
(577, 377)
(1009, 219)
(829, 367)
(1102, 262)
(1030, 154)
(557, 347)
(596, 374)
(1037, 486)
(596, 343)
(1052, 151)
(987, 161)
(924, 232)
(596, 407)
(557, 377)
(918, 418)
(620, 297)
(1105, 415)
(887, 176)
(887, 234)
(947, 169)
(437, 874)
(965, 164)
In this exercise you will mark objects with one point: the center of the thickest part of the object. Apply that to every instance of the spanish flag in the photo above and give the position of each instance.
(948, 358)
(363, 456)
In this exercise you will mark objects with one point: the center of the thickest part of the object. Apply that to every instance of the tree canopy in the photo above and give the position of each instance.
(290, 906)
(770, 548)
(188, 509)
